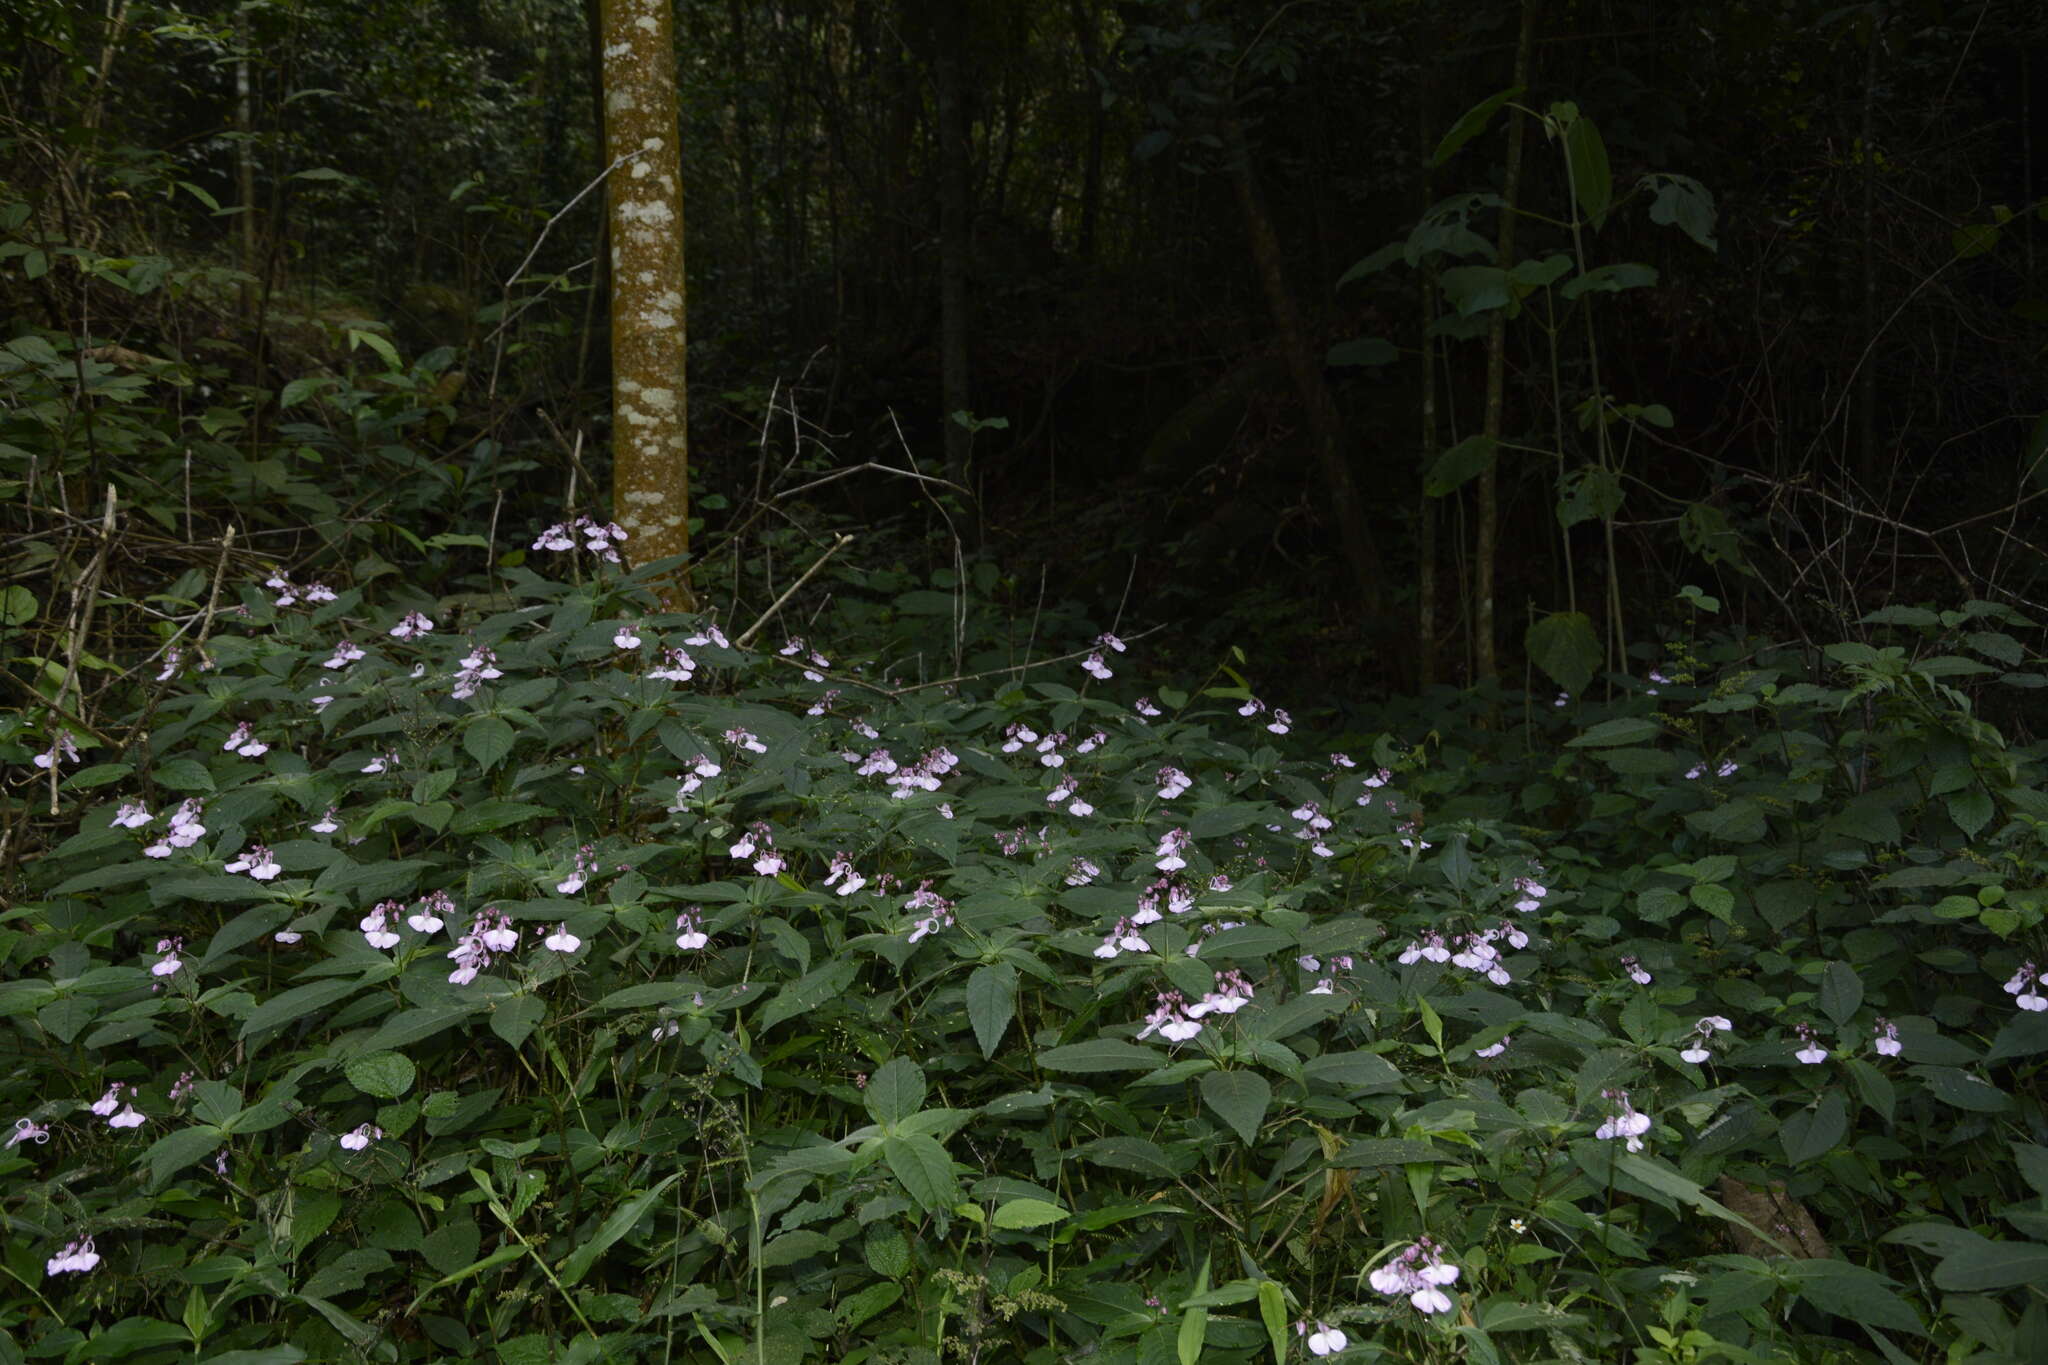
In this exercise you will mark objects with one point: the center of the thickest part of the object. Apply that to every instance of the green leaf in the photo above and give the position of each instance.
(991, 1003)
(485, 816)
(1855, 1293)
(895, 1092)
(1815, 1132)
(1971, 810)
(924, 1170)
(1565, 646)
(299, 390)
(297, 1003)
(1240, 1099)
(622, 1221)
(1740, 821)
(1684, 203)
(1611, 279)
(1027, 1213)
(17, 605)
(488, 739)
(1365, 1072)
(1375, 1152)
(1962, 1090)
(805, 994)
(515, 1019)
(1588, 493)
(1459, 465)
(1620, 730)
(173, 1152)
(384, 1075)
(1102, 1054)
(1585, 155)
(1974, 239)
(1841, 992)
(384, 349)
(1471, 124)
(1994, 1265)
(1475, 289)
(1273, 1312)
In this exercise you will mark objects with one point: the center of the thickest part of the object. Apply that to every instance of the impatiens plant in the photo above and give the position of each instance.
(553, 977)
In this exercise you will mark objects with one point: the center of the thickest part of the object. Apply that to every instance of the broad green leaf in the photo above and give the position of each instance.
(895, 1092)
(1992, 1266)
(991, 1003)
(621, 1222)
(1102, 1054)
(487, 739)
(1855, 1293)
(1374, 1152)
(385, 1075)
(1459, 465)
(1813, 1133)
(1273, 1313)
(515, 1019)
(1611, 279)
(1588, 493)
(1592, 179)
(1686, 204)
(924, 1170)
(384, 349)
(1962, 1090)
(1476, 289)
(1841, 992)
(805, 994)
(1027, 1213)
(1240, 1099)
(1566, 647)
(1471, 124)
(1740, 821)
(1365, 1072)
(173, 1152)
(297, 1003)
(1621, 730)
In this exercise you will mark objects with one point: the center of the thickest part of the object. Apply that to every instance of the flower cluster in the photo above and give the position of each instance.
(937, 911)
(1171, 1019)
(600, 538)
(411, 626)
(185, 830)
(758, 843)
(361, 1137)
(243, 741)
(1325, 1340)
(1625, 1122)
(289, 593)
(76, 1256)
(1420, 1273)
(676, 665)
(479, 666)
(1703, 1033)
(489, 933)
(690, 934)
(258, 861)
(2025, 986)
(1810, 1051)
(118, 1113)
(1886, 1043)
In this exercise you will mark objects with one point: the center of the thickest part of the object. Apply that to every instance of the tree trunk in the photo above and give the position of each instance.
(644, 197)
(1486, 663)
(1326, 427)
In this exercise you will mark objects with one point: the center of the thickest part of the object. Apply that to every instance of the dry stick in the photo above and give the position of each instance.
(994, 672)
(498, 358)
(747, 636)
(84, 597)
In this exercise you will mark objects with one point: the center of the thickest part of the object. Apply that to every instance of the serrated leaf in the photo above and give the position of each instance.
(1027, 1213)
(1472, 123)
(1621, 730)
(1240, 1099)
(1566, 647)
(1101, 1054)
(1459, 465)
(487, 739)
(1592, 179)
(991, 1003)
(296, 1003)
(384, 1075)
(924, 1170)
(515, 1019)
(1813, 1133)
(895, 1092)
(173, 1152)
(805, 994)
(620, 1222)
(1841, 992)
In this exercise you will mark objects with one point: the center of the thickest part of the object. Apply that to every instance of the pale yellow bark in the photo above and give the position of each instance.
(650, 407)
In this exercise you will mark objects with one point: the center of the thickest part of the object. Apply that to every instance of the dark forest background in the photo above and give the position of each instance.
(1768, 321)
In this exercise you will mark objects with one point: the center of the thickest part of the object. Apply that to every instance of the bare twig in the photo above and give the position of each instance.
(747, 635)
